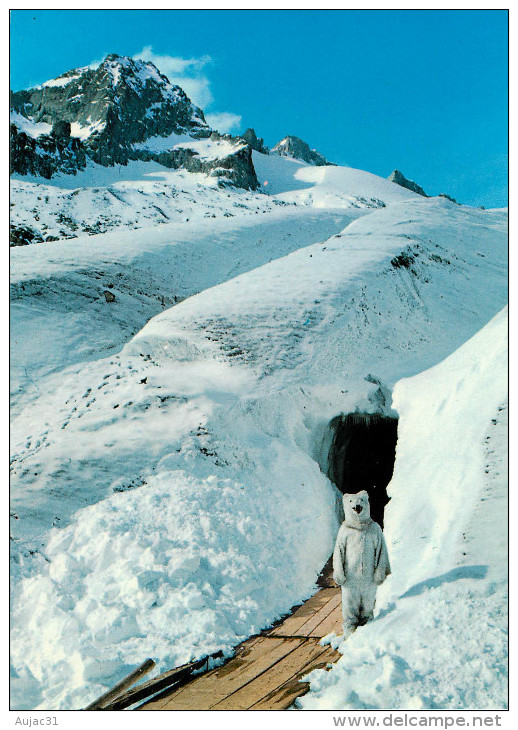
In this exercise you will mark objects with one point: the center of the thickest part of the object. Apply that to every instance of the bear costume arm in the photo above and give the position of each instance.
(381, 559)
(339, 557)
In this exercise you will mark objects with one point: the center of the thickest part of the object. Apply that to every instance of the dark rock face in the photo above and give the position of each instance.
(235, 168)
(448, 197)
(107, 114)
(398, 178)
(118, 104)
(61, 129)
(46, 155)
(23, 236)
(255, 142)
(298, 149)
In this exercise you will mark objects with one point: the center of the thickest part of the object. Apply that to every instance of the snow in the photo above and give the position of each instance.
(140, 194)
(60, 81)
(440, 637)
(146, 270)
(206, 149)
(210, 149)
(325, 187)
(167, 495)
(162, 144)
(82, 132)
(98, 199)
(33, 129)
(148, 71)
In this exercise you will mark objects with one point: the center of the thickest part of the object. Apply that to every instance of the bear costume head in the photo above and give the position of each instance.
(357, 509)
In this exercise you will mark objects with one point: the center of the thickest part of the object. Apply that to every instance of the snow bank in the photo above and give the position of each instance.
(219, 401)
(439, 640)
(194, 560)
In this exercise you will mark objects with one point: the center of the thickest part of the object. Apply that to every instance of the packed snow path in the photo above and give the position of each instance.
(266, 670)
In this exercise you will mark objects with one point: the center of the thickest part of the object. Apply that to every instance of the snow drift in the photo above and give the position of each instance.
(167, 499)
(440, 638)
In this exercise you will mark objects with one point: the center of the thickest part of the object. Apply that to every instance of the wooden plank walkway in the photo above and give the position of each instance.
(265, 671)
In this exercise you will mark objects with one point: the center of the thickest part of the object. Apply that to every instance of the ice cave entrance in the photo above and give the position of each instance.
(362, 455)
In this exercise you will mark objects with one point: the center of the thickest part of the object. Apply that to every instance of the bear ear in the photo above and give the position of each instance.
(363, 493)
(345, 494)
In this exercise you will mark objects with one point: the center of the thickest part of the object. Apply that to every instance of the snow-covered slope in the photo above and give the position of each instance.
(212, 235)
(59, 315)
(322, 187)
(183, 472)
(439, 640)
(139, 194)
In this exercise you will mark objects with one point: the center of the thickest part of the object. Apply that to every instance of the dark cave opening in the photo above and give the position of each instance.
(362, 455)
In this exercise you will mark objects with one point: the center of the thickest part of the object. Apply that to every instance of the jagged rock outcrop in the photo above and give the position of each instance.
(448, 197)
(298, 149)
(255, 142)
(115, 113)
(398, 178)
(112, 107)
(220, 155)
(45, 155)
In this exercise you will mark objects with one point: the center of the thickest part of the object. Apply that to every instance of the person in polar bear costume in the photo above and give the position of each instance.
(360, 561)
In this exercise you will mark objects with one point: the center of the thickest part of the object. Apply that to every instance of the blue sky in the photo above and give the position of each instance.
(423, 91)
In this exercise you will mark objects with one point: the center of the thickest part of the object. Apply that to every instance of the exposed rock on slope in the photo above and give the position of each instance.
(220, 155)
(122, 110)
(45, 155)
(298, 149)
(398, 178)
(448, 197)
(112, 107)
(255, 142)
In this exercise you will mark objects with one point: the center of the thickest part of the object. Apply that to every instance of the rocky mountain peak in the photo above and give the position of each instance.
(397, 177)
(111, 107)
(120, 110)
(296, 148)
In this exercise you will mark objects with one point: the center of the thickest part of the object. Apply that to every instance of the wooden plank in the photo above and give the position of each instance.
(157, 702)
(207, 689)
(225, 680)
(285, 695)
(293, 624)
(307, 609)
(315, 619)
(265, 671)
(155, 685)
(245, 648)
(332, 622)
(283, 670)
(120, 687)
(297, 624)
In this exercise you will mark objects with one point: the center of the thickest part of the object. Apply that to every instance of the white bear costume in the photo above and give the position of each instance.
(360, 561)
